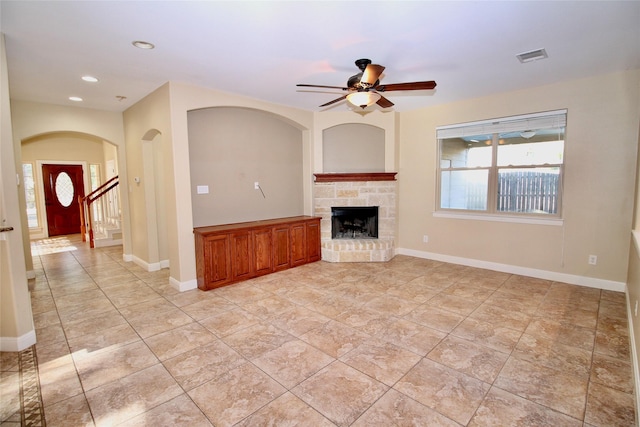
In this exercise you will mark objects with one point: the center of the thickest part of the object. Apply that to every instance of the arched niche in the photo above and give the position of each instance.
(233, 148)
(353, 147)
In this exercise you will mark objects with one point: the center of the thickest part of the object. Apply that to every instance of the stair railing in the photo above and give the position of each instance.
(94, 209)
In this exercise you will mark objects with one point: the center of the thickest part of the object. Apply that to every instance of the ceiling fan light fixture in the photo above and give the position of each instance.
(363, 99)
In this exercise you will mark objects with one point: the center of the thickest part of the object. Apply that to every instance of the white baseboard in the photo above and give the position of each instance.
(590, 282)
(31, 274)
(634, 353)
(183, 286)
(154, 266)
(18, 343)
(127, 257)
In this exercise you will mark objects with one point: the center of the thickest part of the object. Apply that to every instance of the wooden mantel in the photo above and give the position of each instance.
(353, 177)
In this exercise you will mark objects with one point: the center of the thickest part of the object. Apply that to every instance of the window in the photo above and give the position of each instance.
(510, 166)
(30, 195)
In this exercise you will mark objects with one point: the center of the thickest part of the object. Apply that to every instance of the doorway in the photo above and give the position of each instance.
(62, 185)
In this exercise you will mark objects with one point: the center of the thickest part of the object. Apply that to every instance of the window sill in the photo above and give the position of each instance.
(500, 218)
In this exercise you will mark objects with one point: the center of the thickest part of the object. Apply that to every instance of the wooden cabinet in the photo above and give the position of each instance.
(231, 253)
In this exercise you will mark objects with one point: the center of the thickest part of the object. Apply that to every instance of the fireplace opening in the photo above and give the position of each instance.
(359, 222)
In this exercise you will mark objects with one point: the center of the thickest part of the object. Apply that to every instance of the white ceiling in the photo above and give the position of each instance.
(262, 49)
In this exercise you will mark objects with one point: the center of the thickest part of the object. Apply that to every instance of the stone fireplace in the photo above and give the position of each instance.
(335, 191)
(354, 222)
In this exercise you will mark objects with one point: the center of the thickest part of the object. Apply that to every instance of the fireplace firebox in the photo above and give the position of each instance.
(357, 222)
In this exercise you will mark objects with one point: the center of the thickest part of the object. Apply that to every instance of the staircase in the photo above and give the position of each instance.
(100, 215)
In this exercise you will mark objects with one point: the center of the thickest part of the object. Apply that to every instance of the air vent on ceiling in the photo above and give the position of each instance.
(533, 55)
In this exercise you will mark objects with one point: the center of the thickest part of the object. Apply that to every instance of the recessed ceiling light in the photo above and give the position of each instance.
(75, 98)
(533, 55)
(89, 79)
(142, 44)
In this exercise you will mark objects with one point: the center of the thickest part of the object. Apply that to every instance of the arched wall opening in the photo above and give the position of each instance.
(97, 157)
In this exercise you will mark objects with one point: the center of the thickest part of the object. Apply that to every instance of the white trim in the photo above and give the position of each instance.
(499, 218)
(18, 343)
(183, 286)
(572, 279)
(127, 257)
(31, 274)
(164, 263)
(634, 350)
(505, 119)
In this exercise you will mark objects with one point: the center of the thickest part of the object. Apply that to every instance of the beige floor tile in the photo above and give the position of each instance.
(9, 395)
(178, 412)
(381, 360)
(501, 317)
(128, 397)
(554, 355)
(256, 340)
(207, 308)
(609, 407)
(334, 338)
(435, 318)
(229, 322)
(470, 358)
(299, 320)
(292, 362)
(396, 409)
(73, 411)
(176, 341)
(366, 319)
(493, 336)
(450, 302)
(286, 410)
(104, 366)
(93, 325)
(503, 408)
(236, 394)
(566, 333)
(612, 373)
(411, 336)
(340, 393)
(449, 392)
(270, 307)
(147, 325)
(613, 345)
(101, 339)
(197, 366)
(561, 392)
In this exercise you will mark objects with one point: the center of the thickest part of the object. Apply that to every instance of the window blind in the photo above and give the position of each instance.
(546, 120)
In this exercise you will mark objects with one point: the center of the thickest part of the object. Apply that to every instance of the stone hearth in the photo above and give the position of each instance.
(331, 190)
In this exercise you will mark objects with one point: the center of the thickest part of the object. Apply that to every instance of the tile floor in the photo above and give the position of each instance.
(411, 342)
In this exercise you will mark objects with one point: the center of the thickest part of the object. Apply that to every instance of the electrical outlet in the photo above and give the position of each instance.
(425, 239)
(256, 185)
(593, 259)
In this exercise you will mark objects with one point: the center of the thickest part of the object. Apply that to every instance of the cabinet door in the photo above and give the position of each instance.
(217, 261)
(313, 241)
(262, 251)
(241, 252)
(281, 248)
(298, 248)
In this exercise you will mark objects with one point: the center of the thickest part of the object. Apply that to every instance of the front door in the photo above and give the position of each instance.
(62, 186)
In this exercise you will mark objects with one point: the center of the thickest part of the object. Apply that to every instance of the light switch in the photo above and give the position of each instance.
(202, 189)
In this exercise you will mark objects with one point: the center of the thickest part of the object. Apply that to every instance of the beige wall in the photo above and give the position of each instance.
(17, 331)
(353, 147)
(232, 148)
(600, 159)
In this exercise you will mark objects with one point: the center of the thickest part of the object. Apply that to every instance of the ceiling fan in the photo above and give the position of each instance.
(365, 86)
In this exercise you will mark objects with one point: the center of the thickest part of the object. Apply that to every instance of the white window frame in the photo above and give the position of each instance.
(548, 119)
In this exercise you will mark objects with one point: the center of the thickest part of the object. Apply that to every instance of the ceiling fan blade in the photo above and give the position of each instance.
(327, 87)
(371, 74)
(428, 85)
(334, 101)
(384, 102)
